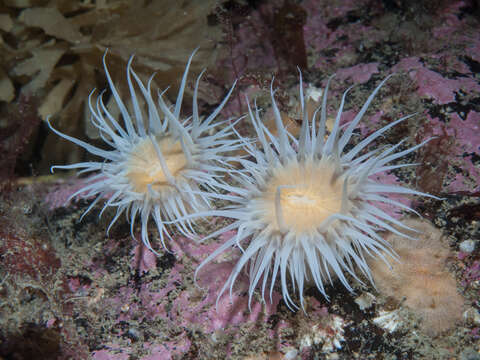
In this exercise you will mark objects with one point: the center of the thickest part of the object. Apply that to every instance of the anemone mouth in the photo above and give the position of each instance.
(301, 195)
(153, 162)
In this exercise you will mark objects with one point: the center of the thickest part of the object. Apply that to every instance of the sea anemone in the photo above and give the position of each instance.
(159, 165)
(306, 207)
(421, 281)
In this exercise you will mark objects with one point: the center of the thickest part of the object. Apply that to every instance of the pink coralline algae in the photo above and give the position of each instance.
(465, 143)
(387, 178)
(211, 316)
(192, 307)
(111, 354)
(321, 36)
(432, 84)
(474, 50)
(457, 117)
(442, 90)
(450, 21)
(60, 195)
(358, 74)
(472, 273)
(468, 143)
(373, 121)
(203, 309)
(147, 303)
(168, 349)
(143, 259)
(467, 131)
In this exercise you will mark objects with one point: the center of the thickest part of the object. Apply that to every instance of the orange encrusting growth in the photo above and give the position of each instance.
(144, 165)
(309, 193)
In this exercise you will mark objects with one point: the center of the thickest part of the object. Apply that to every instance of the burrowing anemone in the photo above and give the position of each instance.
(158, 165)
(304, 209)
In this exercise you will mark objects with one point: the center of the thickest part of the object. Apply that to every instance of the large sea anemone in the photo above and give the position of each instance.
(306, 209)
(158, 165)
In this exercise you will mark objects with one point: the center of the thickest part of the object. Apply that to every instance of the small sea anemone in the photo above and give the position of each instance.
(306, 207)
(420, 280)
(159, 165)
